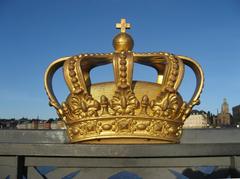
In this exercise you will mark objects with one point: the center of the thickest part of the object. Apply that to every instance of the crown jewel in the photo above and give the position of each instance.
(124, 111)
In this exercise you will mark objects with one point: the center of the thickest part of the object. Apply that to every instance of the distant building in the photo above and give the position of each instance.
(54, 125)
(61, 124)
(41, 124)
(223, 118)
(47, 124)
(57, 124)
(197, 119)
(35, 123)
(8, 123)
(24, 124)
(236, 114)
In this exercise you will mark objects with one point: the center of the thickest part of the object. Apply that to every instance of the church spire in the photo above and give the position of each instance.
(225, 107)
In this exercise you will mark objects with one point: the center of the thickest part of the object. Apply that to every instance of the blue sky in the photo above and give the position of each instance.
(33, 33)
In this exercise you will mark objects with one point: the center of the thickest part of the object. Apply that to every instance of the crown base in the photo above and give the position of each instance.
(125, 130)
(126, 140)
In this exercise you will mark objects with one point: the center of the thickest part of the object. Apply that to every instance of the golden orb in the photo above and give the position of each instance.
(123, 42)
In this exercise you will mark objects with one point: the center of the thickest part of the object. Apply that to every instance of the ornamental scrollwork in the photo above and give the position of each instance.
(166, 105)
(80, 106)
(124, 104)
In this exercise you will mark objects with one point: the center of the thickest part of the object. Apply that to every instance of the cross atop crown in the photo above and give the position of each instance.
(123, 25)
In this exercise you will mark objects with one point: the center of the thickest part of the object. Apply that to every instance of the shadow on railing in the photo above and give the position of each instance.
(206, 172)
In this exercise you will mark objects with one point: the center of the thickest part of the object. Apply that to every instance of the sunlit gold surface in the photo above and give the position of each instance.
(123, 42)
(124, 111)
(123, 25)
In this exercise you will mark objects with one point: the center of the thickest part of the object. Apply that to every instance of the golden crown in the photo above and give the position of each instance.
(124, 111)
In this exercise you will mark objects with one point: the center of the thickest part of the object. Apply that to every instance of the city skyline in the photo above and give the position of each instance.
(33, 34)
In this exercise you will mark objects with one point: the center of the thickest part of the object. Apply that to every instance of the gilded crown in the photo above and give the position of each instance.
(124, 111)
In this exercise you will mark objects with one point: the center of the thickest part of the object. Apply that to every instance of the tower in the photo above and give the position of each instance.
(225, 107)
(224, 117)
